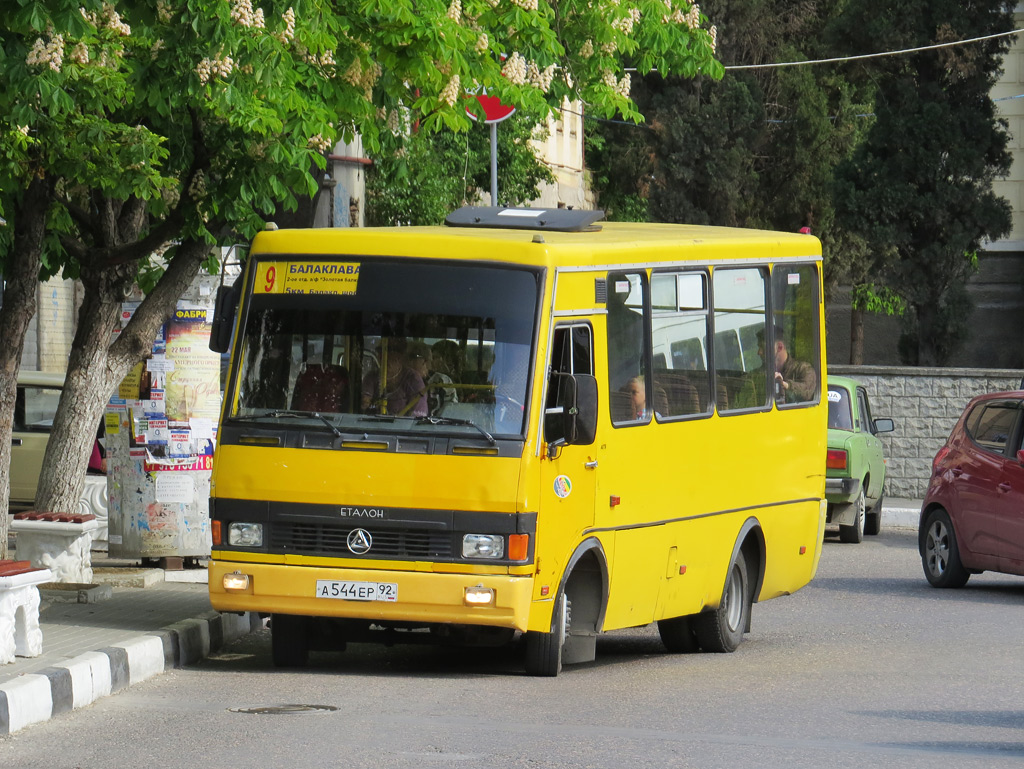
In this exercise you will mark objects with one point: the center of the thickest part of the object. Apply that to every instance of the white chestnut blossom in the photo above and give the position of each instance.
(113, 21)
(623, 87)
(515, 69)
(243, 13)
(80, 54)
(450, 94)
(319, 143)
(47, 54)
(211, 69)
(289, 26)
(455, 10)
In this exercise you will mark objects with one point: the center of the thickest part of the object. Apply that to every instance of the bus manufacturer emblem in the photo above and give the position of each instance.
(359, 541)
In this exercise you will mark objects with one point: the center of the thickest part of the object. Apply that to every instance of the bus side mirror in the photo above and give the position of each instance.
(581, 410)
(224, 318)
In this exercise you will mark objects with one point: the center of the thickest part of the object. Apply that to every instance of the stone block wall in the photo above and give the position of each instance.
(925, 403)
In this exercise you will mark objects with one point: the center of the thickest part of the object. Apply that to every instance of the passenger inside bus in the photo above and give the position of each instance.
(401, 391)
(796, 380)
(636, 389)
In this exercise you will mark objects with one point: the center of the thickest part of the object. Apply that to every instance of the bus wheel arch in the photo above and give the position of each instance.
(721, 629)
(578, 614)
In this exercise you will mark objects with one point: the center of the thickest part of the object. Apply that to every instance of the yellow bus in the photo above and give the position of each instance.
(523, 425)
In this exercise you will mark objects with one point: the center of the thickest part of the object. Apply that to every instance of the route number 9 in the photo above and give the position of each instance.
(271, 277)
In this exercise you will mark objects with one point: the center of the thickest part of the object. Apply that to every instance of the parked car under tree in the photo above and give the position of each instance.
(855, 464)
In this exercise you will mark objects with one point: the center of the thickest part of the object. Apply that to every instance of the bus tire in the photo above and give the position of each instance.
(721, 630)
(544, 650)
(289, 640)
(678, 635)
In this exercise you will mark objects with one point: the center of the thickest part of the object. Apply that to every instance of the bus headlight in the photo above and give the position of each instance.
(483, 546)
(245, 534)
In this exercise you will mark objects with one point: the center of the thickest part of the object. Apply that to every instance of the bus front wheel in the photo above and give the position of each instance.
(721, 630)
(544, 650)
(289, 640)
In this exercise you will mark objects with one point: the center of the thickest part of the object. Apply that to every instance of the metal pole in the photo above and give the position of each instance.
(494, 164)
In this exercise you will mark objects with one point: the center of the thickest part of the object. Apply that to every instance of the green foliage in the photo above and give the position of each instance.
(213, 111)
(919, 190)
(877, 299)
(426, 175)
(756, 149)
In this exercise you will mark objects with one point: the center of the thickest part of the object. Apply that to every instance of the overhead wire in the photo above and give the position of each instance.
(857, 57)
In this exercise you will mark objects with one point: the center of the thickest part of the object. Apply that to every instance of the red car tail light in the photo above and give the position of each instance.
(939, 457)
(836, 459)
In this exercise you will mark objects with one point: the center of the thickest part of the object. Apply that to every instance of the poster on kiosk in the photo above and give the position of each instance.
(160, 434)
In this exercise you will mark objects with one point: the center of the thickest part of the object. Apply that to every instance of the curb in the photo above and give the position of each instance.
(901, 517)
(82, 680)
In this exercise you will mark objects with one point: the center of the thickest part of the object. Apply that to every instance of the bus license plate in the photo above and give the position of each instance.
(356, 591)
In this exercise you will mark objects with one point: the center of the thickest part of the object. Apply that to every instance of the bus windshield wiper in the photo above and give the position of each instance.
(279, 414)
(454, 421)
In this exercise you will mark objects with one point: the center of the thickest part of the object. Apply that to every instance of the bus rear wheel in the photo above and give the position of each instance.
(289, 640)
(544, 650)
(721, 630)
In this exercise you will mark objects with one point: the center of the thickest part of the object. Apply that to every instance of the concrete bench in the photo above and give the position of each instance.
(58, 542)
(19, 610)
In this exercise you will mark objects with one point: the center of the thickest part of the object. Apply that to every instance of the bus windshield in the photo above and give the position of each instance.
(413, 345)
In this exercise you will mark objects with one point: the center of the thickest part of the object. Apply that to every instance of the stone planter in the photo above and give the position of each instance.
(19, 610)
(60, 543)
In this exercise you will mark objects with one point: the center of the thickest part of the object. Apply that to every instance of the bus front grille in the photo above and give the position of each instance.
(321, 539)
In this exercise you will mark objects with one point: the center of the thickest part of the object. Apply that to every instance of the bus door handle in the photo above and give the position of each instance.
(590, 465)
(15, 441)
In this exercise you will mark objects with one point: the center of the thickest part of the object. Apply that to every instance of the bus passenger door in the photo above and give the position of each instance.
(569, 472)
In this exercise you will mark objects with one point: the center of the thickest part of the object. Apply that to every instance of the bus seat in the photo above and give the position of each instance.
(321, 388)
(680, 396)
(620, 405)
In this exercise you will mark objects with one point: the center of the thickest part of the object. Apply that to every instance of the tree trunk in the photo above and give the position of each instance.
(96, 367)
(856, 336)
(19, 306)
(927, 354)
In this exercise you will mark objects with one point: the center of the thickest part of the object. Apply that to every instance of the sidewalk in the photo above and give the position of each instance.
(128, 634)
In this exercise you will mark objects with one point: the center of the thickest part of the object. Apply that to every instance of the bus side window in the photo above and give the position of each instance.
(572, 352)
(627, 364)
(795, 306)
(679, 321)
(741, 365)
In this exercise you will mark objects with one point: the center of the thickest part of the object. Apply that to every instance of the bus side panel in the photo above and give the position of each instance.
(685, 504)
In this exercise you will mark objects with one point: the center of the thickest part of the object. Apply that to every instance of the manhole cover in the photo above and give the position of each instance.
(279, 710)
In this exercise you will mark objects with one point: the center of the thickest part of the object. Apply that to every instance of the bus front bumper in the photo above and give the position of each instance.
(422, 597)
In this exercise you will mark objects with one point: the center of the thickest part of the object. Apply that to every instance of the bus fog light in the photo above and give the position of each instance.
(479, 596)
(235, 581)
(245, 534)
(483, 546)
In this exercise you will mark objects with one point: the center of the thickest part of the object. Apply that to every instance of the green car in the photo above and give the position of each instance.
(855, 466)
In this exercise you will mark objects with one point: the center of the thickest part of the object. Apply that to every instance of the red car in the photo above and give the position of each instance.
(972, 519)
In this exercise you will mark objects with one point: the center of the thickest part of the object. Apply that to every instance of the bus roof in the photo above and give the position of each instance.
(612, 243)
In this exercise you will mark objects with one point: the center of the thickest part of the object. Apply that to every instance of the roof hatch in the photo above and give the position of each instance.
(499, 217)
